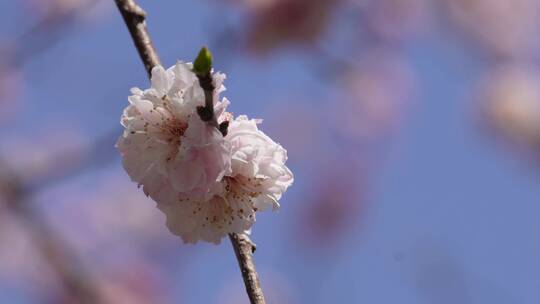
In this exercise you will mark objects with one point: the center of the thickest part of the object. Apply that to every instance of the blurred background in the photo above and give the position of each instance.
(412, 126)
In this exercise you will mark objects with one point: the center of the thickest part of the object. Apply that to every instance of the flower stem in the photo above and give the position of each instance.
(202, 67)
(134, 17)
(207, 112)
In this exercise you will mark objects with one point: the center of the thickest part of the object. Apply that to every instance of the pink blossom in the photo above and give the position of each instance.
(166, 148)
(257, 181)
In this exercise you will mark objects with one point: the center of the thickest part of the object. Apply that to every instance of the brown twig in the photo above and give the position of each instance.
(134, 16)
(135, 19)
(244, 249)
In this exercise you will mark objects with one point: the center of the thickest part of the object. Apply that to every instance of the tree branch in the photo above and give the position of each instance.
(78, 282)
(244, 249)
(45, 33)
(134, 16)
(135, 19)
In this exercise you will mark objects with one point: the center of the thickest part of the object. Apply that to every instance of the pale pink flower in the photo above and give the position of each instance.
(507, 28)
(207, 185)
(166, 148)
(278, 23)
(258, 179)
(210, 220)
(258, 164)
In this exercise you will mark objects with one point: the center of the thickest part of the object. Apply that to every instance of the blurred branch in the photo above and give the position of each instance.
(75, 278)
(98, 154)
(134, 17)
(46, 33)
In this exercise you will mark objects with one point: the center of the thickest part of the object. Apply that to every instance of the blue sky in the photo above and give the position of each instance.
(452, 217)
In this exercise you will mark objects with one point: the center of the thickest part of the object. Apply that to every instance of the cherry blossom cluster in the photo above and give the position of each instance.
(208, 185)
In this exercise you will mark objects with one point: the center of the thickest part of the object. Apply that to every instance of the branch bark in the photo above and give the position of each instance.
(134, 17)
(244, 249)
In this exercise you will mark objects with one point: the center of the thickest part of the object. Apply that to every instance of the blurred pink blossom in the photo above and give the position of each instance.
(396, 20)
(254, 4)
(274, 24)
(503, 27)
(510, 103)
(55, 7)
(127, 282)
(34, 156)
(133, 282)
(87, 215)
(336, 200)
(375, 96)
